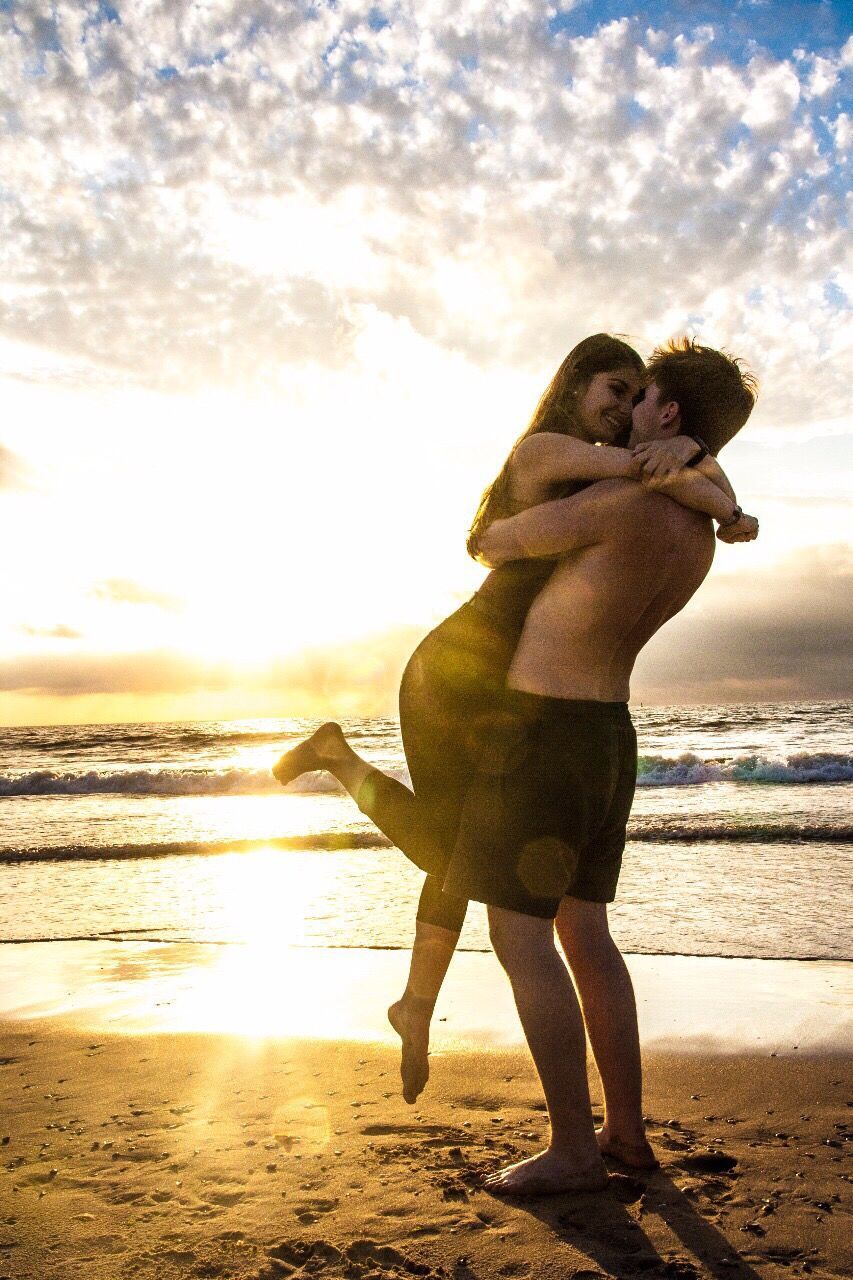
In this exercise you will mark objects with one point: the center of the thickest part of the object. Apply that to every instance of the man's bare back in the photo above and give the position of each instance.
(632, 559)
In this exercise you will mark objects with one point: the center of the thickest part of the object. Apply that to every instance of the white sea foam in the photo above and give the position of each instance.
(692, 770)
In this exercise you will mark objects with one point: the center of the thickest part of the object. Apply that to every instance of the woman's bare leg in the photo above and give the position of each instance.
(405, 820)
(411, 1015)
(328, 749)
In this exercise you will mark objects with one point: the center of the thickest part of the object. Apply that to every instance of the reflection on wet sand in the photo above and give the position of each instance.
(268, 988)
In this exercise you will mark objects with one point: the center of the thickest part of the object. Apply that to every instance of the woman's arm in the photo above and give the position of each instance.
(547, 458)
(710, 468)
(660, 458)
(691, 488)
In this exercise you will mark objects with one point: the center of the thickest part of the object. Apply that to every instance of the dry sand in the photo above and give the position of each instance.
(218, 1156)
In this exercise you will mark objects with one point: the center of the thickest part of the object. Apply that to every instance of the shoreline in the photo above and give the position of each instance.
(693, 1004)
(126, 936)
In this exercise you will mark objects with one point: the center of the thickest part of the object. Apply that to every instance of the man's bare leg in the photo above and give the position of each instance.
(610, 1013)
(552, 1022)
(410, 1016)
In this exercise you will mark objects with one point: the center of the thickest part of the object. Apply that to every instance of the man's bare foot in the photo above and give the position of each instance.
(319, 751)
(410, 1018)
(547, 1174)
(636, 1155)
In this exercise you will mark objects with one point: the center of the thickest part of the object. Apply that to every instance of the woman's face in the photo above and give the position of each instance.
(604, 407)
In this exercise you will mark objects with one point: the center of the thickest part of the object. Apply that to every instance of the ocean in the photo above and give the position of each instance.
(740, 842)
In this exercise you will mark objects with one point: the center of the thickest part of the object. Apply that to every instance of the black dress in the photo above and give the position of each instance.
(450, 701)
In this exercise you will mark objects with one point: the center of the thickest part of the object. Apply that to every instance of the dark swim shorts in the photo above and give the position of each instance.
(548, 806)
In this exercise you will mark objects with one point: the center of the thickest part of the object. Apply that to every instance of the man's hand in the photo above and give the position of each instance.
(661, 458)
(743, 530)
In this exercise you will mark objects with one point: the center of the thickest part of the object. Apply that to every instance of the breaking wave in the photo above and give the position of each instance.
(159, 782)
(692, 770)
(653, 771)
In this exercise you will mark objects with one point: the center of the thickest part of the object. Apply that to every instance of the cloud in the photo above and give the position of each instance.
(58, 632)
(774, 633)
(206, 195)
(79, 675)
(361, 678)
(126, 591)
(12, 470)
(779, 633)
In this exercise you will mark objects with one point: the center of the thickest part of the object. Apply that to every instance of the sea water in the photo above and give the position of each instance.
(740, 841)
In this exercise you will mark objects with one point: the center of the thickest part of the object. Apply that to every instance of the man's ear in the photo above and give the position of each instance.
(670, 418)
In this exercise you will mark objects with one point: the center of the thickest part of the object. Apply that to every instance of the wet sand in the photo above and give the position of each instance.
(194, 1155)
(695, 1004)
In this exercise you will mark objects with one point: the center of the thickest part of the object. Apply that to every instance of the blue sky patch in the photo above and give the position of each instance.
(836, 297)
(742, 28)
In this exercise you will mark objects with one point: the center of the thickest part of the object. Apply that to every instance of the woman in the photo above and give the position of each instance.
(452, 684)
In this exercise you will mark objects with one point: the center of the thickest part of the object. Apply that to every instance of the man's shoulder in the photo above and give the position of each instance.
(641, 516)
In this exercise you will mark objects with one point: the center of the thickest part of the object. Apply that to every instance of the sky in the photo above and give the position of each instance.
(281, 284)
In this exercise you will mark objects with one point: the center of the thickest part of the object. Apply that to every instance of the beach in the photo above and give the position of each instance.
(131, 1149)
(199, 1080)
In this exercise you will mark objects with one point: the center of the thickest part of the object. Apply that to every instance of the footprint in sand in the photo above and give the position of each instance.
(708, 1162)
(626, 1190)
(359, 1260)
(381, 1130)
(311, 1210)
(226, 1198)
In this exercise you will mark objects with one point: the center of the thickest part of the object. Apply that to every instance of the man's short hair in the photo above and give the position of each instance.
(714, 393)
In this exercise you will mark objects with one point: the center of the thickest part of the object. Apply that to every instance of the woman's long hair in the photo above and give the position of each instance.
(599, 353)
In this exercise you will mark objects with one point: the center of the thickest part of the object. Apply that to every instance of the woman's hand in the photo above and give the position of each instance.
(661, 458)
(493, 549)
(745, 529)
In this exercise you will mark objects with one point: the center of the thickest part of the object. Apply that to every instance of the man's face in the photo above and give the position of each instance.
(653, 418)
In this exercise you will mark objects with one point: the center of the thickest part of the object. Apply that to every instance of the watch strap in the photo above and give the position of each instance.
(703, 449)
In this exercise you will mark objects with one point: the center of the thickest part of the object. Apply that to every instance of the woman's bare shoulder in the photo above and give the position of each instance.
(539, 447)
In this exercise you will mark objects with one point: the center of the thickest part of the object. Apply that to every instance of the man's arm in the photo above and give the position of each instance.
(555, 528)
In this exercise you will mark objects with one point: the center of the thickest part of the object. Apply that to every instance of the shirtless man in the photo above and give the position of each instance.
(632, 559)
(543, 820)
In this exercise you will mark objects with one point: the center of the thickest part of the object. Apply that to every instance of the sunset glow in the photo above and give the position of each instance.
(240, 454)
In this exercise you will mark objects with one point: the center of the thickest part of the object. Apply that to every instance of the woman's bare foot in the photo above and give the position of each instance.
(547, 1174)
(636, 1155)
(319, 751)
(410, 1018)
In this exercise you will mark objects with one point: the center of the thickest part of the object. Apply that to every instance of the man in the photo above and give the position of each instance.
(550, 806)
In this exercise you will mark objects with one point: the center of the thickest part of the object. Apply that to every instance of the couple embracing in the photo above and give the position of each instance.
(515, 723)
